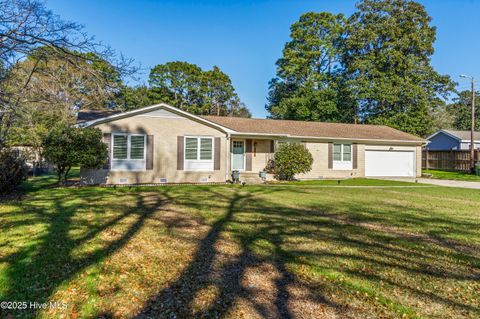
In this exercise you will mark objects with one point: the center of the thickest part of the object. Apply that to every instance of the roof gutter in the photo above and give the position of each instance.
(329, 138)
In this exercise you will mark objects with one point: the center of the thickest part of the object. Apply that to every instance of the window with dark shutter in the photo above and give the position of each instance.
(198, 153)
(128, 152)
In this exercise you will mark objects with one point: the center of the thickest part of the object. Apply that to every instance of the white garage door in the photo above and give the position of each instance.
(389, 163)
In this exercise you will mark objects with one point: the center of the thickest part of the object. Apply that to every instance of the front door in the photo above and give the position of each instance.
(238, 155)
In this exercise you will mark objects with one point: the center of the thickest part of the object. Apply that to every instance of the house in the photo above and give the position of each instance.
(163, 144)
(446, 140)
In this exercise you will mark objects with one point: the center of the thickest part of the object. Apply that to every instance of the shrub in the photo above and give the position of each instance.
(291, 159)
(13, 170)
(67, 146)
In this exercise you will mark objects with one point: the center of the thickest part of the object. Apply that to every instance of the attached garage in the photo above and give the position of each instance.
(390, 163)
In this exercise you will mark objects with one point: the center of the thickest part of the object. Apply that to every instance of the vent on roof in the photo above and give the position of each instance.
(123, 180)
(163, 180)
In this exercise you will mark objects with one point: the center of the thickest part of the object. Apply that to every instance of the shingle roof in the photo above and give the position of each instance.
(312, 129)
(90, 115)
(464, 135)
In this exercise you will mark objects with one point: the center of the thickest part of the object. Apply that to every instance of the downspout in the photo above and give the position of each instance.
(227, 156)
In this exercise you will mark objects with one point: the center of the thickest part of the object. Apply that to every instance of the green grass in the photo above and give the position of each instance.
(452, 175)
(350, 182)
(307, 249)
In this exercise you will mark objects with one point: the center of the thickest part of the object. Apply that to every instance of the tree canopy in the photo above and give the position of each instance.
(461, 111)
(38, 46)
(188, 87)
(309, 83)
(56, 90)
(67, 146)
(373, 67)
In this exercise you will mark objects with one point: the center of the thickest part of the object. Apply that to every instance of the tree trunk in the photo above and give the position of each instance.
(60, 171)
(66, 174)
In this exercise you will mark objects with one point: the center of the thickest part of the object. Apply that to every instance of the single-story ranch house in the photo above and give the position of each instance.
(447, 140)
(163, 144)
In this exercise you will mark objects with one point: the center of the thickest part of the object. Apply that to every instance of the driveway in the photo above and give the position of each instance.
(441, 182)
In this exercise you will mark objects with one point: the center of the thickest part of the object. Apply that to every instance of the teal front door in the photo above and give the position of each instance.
(238, 155)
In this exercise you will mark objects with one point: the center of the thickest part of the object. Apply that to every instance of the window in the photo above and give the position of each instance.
(337, 152)
(342, 156)
(137, 147)
(206, 148)
(191, 148)
(199, 153)
(120, 146)
(128, 152)
(347, 152)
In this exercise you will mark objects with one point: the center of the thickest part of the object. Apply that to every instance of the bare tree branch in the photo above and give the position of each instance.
(27, 26)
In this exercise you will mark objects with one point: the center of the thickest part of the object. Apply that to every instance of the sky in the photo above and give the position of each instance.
(245, 38)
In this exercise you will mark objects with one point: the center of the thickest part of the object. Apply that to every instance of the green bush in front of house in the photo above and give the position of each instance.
(291, 159)
(13, 170)
(67, 146)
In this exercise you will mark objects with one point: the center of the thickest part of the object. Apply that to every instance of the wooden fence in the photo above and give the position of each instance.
(448, 160)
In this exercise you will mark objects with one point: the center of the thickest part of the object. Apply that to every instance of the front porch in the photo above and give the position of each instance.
(250, 156)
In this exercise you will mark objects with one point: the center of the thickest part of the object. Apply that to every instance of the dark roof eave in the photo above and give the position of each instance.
(327, 138)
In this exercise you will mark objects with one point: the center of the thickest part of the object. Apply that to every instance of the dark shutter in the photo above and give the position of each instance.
(248, 155)
(149, 159)
(330, 155)
(107, 139)
(354, 156)
(272, 146)
(216, 155)
(179, 153)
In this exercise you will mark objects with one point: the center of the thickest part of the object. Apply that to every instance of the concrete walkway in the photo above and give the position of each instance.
(441, 182)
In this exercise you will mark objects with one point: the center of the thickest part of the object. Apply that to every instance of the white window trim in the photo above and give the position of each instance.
(244, 154)
(342, 165)
(198, 160)
(144, 160)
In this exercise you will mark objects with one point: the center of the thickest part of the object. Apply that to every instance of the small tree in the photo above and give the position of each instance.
(291, 159)
(68, 146)
(13, 170)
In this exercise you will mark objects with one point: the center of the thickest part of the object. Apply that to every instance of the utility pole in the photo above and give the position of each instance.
(472, 127)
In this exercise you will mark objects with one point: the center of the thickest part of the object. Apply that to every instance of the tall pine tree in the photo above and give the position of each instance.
(309, 84)
(190, 88)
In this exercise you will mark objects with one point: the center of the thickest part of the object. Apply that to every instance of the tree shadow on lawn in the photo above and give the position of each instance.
(36, 270)
(353, 246)
(280, 262)
(177, 300)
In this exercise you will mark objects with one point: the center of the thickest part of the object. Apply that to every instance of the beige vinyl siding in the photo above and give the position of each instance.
(261, 156)
(165, 131)
(320, 168)
(166, 127)
(319, 151)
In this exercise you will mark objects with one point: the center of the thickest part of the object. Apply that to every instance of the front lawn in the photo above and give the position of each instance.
(452, 175)
(258, 251)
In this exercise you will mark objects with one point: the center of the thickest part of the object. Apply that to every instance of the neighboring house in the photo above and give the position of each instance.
(163, 144)
(33, 158)
(446, 140)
